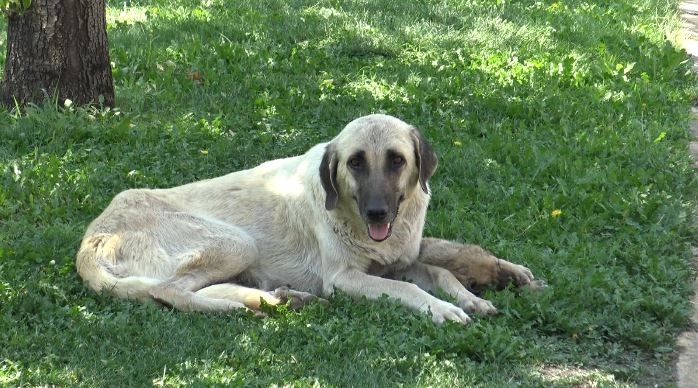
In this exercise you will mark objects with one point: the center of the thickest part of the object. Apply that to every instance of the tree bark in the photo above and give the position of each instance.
(57, 50)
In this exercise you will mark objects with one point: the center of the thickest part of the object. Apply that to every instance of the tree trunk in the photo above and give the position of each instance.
(57, 49)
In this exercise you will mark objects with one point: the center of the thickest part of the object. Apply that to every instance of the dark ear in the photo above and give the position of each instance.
(328, 176)
(426, 158)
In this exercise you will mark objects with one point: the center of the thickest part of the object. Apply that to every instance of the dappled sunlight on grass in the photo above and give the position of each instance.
(575, 376)
(10, 372)
(560, 128)
(8, 292)
(323, 12)
(127, 15)
(378, 90)
(499, 34)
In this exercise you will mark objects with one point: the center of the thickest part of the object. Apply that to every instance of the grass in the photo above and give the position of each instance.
(562, 132)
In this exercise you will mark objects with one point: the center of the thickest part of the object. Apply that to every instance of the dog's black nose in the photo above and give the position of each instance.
(377, 214)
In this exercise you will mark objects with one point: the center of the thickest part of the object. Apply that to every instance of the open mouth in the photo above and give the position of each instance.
(379, 232)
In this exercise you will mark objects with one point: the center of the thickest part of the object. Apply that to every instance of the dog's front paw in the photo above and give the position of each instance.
(442, 311)
(473, 304)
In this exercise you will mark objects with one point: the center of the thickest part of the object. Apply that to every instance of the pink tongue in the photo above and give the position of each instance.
(378, 232)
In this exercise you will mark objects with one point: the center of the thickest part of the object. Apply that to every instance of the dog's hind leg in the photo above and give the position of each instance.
(253, 298)
(216, 260)
(143, 247)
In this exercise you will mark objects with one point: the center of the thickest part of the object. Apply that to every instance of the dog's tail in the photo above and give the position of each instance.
(93, 262)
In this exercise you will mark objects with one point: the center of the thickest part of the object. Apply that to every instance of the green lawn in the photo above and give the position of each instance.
(532, 106)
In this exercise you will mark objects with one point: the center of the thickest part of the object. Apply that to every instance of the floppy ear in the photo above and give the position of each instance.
(426, 158)
(328, 176)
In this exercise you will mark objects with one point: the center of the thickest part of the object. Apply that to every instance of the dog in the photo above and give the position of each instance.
(346, 215)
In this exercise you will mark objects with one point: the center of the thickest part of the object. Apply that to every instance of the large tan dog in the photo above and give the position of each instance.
(347, 214)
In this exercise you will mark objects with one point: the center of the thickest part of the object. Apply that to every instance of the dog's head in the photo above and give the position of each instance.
(377, 162)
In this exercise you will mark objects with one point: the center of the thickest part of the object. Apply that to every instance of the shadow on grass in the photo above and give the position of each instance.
(535, 93)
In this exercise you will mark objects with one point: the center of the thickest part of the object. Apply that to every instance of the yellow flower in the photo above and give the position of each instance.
(457, 143)
(556, 213)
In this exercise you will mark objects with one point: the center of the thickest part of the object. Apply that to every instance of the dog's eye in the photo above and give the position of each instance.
(398, 161)
(355, 162)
